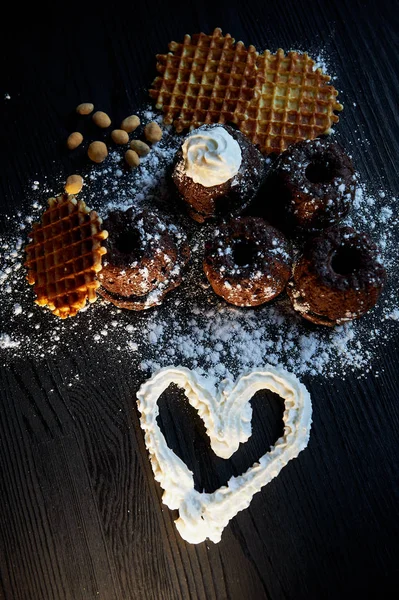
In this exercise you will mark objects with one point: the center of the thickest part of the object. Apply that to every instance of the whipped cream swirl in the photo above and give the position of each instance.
(211, 156)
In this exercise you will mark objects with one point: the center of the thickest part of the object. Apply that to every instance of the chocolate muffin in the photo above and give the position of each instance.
(217, 172)
(310, 187)
(339, 277)
(247, 261)
(145, 257)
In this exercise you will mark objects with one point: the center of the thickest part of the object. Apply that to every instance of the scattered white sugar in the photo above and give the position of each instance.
(385, 214)
(7, 343)
(322, 61)
(147, 185)
(359, 197)
(152, 337)
(17, 309)
(193, 327)
(149, 115)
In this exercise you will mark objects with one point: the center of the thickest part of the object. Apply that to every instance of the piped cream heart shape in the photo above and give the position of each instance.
(227, 414)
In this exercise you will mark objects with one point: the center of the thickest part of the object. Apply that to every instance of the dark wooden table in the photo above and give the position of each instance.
(81, 516)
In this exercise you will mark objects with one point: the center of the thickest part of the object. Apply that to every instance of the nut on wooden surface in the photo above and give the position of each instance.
(119, 136)
(85, 108)
(74, 184)
(152, 132)
(130, 123)
(97, 152)
(132, 158)
(74, 140)
(101, 119)
(140, 147)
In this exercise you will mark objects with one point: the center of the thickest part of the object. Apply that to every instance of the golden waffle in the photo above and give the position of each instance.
(275, 99)
(64, 256)
(292, 102)
(202, 80)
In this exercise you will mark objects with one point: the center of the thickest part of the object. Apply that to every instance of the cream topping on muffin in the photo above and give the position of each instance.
(211, 156)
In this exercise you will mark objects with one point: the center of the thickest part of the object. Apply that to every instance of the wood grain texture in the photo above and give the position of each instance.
(81, 514)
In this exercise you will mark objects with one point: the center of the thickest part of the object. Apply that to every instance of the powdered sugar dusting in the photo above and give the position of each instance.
(193, 327)
(321, 62)
(7, 342)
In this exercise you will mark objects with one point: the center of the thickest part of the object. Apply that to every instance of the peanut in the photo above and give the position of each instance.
(132, 158)
(97, 152)
(153, 132)
(85, 108)
(130, 123)
(74, 184)
(101, 119)
(140, 147)
(119, 136)
(74, 140)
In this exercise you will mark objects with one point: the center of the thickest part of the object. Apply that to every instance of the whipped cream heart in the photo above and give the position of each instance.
(227, 414)
(211, 156)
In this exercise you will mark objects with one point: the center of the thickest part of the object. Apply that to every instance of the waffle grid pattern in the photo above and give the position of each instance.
(275, 99)
(65, 255)
(293, 102)
(202, 80)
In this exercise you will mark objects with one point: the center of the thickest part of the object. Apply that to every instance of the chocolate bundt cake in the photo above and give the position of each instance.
(310, 187)
(338, 277)
(145, 257)
(217, 172)
(247, 262)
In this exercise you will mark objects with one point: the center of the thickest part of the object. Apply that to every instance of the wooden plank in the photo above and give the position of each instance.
(81, 513)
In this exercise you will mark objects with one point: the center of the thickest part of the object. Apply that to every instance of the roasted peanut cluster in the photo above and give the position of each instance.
(97, 151)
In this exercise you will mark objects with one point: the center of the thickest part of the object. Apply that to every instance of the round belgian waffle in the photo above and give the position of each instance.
(293, 101)
(275, 99)
(64, 256)
(203, 80)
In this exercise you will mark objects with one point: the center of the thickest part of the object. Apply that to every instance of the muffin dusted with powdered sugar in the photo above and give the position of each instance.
(247, 261)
